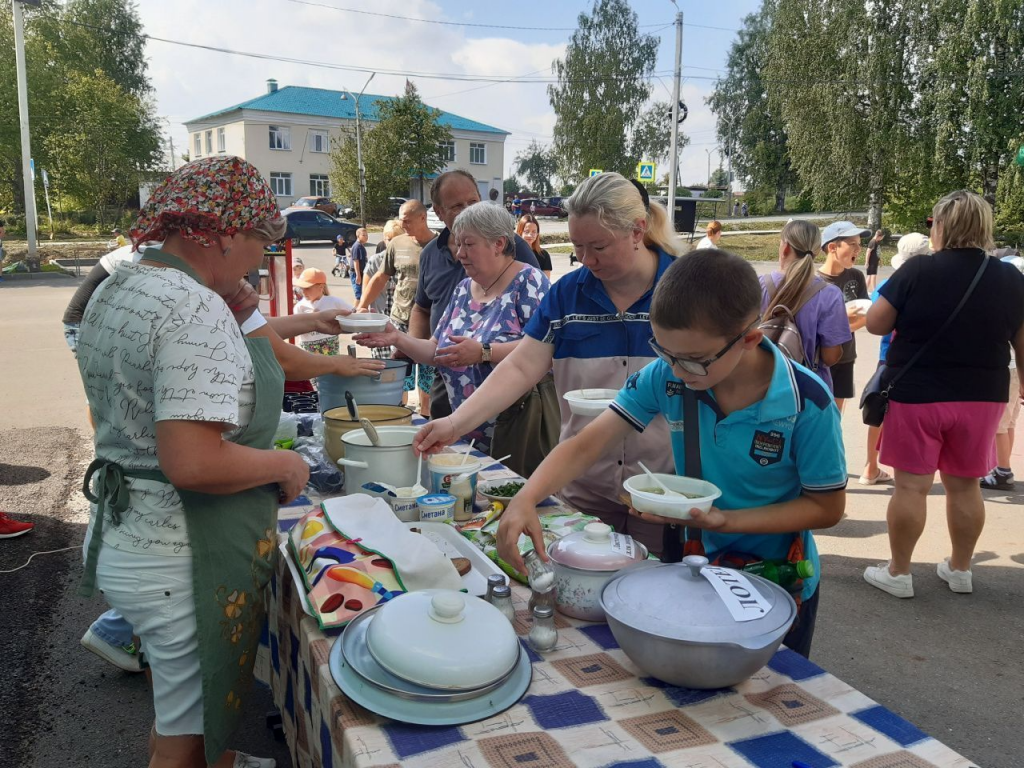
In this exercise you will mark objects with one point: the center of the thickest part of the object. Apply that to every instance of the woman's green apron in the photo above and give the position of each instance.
(233, 541)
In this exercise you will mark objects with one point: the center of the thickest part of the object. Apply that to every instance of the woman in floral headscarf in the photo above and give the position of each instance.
(184, 486)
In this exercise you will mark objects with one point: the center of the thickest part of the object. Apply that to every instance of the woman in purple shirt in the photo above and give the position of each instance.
(822, 319)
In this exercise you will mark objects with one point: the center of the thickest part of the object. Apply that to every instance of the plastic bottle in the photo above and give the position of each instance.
(782, 572)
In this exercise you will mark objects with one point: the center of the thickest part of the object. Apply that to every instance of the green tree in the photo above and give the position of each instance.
(719, 178)
(603, 85)
(106, 140)
(537, 164)
(80, 54)
(652, 134)
(404, 144)
(748, 121)
(511, 185)
(844, 77)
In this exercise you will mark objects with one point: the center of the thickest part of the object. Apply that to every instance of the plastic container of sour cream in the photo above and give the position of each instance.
(437, 507)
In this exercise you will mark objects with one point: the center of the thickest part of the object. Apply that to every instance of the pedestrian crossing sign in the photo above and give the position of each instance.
(645, 172)
(596, 171)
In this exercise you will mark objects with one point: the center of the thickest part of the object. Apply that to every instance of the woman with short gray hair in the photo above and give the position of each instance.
(484, 321)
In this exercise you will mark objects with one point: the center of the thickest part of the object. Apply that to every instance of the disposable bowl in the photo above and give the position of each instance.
(700, 494)
(589, 402)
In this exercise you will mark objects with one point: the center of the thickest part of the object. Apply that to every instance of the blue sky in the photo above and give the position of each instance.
(191, 82)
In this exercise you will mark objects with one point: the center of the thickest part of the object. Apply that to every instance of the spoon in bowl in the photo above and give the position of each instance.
(654, 479)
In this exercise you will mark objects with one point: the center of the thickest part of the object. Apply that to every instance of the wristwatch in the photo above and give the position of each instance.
(485, 355)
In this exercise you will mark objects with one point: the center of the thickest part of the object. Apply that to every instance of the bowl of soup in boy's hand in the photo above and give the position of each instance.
(689, 494)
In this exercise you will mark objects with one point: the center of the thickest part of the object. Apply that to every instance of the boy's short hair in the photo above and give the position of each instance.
(710, 289)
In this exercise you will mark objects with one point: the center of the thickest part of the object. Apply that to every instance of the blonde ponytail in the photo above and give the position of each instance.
(660, 230)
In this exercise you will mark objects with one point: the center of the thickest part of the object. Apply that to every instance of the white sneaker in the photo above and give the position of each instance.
(122, 658)
(959, 581)
(243, 760)
(897, 586)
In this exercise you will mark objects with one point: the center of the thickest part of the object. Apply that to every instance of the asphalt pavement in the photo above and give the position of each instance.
(951, 664)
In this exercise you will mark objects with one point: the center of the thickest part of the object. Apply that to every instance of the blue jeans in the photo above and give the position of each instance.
(112, 629)
(357, 288)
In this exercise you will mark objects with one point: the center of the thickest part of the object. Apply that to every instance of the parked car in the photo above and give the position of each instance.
(319, 203)
(307, 224)
(543, 207)
(433, 220)
(394, 203)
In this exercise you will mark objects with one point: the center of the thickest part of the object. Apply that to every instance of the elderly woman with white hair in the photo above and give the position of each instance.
(484, 321)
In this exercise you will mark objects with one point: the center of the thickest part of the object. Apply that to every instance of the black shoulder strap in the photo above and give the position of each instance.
(672, 541)
(901, 372)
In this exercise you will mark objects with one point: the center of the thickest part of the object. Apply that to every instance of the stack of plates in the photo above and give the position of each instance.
(366, 682)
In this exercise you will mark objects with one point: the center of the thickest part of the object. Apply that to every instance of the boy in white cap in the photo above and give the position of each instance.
(841, 244)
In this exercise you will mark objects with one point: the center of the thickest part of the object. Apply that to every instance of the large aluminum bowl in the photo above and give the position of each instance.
(670, 622)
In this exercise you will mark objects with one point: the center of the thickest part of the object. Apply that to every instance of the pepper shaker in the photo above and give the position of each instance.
(494, 580)
(543, 634)
(501, 598)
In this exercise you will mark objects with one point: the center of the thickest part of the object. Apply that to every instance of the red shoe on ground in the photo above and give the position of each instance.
(11, 528)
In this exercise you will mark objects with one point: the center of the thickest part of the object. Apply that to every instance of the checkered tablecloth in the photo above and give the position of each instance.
(590, 706)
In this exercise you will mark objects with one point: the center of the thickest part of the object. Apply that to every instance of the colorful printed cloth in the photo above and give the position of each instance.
(500, 320)
(210, 196)
(342, 579)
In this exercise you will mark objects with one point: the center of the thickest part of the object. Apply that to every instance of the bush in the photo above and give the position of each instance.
(800, 203)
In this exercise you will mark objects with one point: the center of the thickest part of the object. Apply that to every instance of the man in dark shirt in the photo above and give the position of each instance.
(359, 258)
(451, 193)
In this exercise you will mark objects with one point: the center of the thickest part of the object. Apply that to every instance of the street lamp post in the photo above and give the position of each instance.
(359, 150)
(709, 152)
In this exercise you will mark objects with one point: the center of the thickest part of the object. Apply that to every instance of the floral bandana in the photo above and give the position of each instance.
(213, 195)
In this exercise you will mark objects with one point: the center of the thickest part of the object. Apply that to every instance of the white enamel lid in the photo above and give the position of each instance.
(443, 639)
(597, 548)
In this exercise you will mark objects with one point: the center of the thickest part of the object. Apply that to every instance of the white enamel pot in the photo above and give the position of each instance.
(392, 462)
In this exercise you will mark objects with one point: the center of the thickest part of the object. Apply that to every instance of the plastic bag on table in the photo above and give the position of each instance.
(309, 424)
(287, 428)
(324, 475)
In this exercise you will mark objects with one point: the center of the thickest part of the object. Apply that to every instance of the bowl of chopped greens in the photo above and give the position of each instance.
(500, 490)
(689, 493)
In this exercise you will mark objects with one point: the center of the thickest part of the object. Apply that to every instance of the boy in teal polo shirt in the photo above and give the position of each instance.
(770, 433)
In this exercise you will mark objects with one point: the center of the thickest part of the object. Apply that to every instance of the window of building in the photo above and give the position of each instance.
(319, 185)
(198, 145)
(478, 154)
(221, 140)
(209, 142)
(319, 141)
(448, 151)
(280, 137)
(281, 183)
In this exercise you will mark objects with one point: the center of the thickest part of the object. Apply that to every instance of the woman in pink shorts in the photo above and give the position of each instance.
(944, 412)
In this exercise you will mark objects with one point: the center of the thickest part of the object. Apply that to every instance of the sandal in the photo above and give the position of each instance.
(881, 477)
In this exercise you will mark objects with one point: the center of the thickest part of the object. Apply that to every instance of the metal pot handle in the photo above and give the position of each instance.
(351, 463)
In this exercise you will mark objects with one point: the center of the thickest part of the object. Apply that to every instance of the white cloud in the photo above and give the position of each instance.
(190, 82)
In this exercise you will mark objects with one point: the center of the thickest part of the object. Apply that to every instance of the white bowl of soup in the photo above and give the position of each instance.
(646, 496)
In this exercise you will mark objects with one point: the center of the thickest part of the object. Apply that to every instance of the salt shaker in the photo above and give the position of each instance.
(501, 598)
(494, 580)
(541, 577)
(543, 635)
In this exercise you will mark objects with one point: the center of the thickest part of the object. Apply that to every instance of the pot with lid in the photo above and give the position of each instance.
(443, 639)
(695, 625)
(583, 563)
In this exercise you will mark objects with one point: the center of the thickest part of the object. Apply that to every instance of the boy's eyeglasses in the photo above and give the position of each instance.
(698, 367)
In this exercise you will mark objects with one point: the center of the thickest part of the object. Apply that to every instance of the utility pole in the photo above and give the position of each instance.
(359, 151)
(673, 165)
(26, 148)
(170, 140)
(708, 153)
(728, 176)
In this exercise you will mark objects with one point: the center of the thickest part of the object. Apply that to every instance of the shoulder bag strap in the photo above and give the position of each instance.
(809, 293)
(949, 321)
(673, 539)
